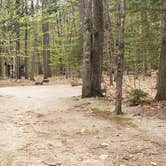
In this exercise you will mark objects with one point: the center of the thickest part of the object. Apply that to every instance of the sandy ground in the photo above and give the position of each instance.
(42, 125)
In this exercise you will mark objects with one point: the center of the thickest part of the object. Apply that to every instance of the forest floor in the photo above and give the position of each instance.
(50, 125)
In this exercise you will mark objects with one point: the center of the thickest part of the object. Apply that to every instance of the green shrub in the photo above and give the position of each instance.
(136, 96)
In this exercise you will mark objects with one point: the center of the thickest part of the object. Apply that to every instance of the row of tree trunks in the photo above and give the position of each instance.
(35, 54)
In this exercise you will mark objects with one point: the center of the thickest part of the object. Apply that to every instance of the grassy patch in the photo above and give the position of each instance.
(122, 120)
(104, 109)
(102, 105)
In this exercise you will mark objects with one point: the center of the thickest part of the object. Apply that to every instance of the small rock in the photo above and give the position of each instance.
(90, 161)
(103, 156)
(153, 163)
(104, 144)
(83, 130)
(122, 165)
(126, 158)
(118, 135)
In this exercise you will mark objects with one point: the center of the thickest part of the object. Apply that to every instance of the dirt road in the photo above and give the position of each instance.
(39, 126)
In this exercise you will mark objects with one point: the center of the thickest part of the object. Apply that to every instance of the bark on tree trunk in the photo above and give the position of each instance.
(119, 79)
(17, 30)
(46, 51)
(109, 40)
(161, 88)
(97, 54)
(34, 43)
(1, 64)
(92, 46)
(26, 44)
(87, 48)
(26, 53)
(144, 31)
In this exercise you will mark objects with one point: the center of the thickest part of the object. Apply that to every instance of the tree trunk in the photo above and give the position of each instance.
(145, 30)
(97, 54)
(1, 64)
(119, 79)
(17, 30)
(87, 47)
(45, 30)
(39, 65)
(34, 44)
(26, 44)
(109, 41)
(92, 46)
(161, 88)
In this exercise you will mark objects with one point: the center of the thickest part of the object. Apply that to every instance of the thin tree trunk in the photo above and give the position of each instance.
(161, 87)
(26, 44)
(39, 65)
(144, 31)
(118, 104)
(1, 63)
(17, 30)
(109, 40)
(34, 44)
(46, 52)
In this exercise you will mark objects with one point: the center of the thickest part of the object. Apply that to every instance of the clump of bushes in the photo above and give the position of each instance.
(136, 97)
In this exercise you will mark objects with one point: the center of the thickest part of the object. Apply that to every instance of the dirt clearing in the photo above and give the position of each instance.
(45, 125)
